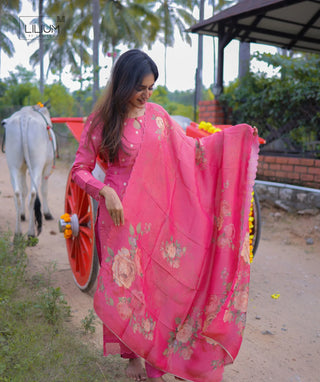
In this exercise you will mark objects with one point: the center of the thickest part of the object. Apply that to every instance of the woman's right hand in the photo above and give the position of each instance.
(113, 204)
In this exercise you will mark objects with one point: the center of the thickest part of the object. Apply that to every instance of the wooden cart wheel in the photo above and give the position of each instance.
(256, 223)
(81, 248)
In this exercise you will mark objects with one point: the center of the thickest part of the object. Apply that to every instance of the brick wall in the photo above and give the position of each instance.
(299, 171)
(212, 111)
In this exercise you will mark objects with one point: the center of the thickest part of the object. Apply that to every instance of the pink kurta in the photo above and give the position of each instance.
(174, 280)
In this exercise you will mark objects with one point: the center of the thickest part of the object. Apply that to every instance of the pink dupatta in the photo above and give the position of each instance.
(174, 280)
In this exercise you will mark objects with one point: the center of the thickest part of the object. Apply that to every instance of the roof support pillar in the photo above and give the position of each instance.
(224, 38)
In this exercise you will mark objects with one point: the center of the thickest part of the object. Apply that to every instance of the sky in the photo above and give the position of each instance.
(181, 59)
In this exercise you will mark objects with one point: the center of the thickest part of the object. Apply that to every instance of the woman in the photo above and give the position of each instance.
(171, 230)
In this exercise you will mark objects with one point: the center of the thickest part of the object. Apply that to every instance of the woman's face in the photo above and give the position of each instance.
(142, 92)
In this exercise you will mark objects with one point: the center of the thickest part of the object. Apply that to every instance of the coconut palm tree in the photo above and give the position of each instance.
(173, 14)
(73, 35)
(131, 23)
(40, 4)
(61, 55)
(64, 49)
(9, 22)
(95, 50)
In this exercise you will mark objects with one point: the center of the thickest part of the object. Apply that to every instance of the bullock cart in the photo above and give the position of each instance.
(77, 222)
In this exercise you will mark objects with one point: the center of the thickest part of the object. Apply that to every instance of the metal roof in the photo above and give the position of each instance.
(289, 24)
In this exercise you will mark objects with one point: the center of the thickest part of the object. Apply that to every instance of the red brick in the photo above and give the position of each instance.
(283, 175)
(301, 169)
(274, 166)
(288, 168)
(219, 114)
(205, 103)
(296, 161)
(206, 113)
(281, 160)
(317, 163)
(269, 159)
(306, 162)
(294, 175)
(307, 177)
(269, 173)
(214, 107)
(217, 121)
(292, 160)
(314, 170)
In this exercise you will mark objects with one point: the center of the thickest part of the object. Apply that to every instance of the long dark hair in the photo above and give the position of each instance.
(127, 73)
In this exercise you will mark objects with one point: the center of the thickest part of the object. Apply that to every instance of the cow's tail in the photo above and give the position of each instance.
(38, 214)
(3, 123)
(25, 147)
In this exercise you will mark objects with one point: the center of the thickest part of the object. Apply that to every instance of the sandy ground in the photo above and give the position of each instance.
(282, 337)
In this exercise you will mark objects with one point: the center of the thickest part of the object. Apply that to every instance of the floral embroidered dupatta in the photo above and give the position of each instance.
(174, 280)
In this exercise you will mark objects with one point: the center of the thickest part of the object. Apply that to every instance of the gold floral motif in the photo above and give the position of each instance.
(225, 211)
(225, 239)
(123, 308)
(161, 128)
(145, 326)
(172, 252)
(245, 251)
(124, 268)
(211, 310)
(182, 340)
(200, 155)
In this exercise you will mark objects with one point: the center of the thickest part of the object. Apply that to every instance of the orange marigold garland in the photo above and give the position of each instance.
(68, 231)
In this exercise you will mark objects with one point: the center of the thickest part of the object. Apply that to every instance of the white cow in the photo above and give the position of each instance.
(30, 144)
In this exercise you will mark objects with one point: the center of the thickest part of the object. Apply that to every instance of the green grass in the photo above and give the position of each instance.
(37, 341)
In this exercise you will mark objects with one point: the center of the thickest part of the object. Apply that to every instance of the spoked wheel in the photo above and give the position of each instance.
(256, 229)
(81, 248)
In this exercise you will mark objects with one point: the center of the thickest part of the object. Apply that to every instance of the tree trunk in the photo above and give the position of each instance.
(165, 65)
(214, 49)
(0, 44)
(95, 55)
(41, 84)
(200, 62)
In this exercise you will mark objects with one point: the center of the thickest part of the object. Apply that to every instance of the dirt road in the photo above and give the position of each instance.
(282, 337)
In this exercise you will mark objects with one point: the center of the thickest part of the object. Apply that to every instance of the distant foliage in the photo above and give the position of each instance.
(21, 89)
(285, 106)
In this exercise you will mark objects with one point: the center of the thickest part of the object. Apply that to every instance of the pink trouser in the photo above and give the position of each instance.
(151, 371)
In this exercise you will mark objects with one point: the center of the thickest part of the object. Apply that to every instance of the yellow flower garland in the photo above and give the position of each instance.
(207, 126)
(68, 231)
(251, 225)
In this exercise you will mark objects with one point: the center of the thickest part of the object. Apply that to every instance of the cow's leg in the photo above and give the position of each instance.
(16, 185)
(44, 192)
(24, 193)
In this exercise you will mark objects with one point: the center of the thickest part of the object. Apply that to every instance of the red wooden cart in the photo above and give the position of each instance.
(80, 209)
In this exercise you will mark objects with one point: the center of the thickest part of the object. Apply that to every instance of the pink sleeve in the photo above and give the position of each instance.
(85, 161)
